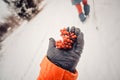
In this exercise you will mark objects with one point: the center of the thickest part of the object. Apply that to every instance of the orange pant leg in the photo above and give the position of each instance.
(79, 8)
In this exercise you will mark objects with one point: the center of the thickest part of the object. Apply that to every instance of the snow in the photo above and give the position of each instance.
(3, 10)
(24, 49)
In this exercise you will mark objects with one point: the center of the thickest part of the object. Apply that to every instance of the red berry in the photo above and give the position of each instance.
(68, 39)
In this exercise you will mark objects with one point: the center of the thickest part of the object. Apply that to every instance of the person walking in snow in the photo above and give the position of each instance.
(60, 64)
(86, 6)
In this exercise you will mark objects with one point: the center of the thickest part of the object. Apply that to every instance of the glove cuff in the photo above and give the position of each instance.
(63, 65)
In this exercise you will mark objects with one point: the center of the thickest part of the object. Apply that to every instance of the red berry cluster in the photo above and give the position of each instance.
(68, 39)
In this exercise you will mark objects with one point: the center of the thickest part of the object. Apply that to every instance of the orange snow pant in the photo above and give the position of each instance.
(78, 5)
(50, 71)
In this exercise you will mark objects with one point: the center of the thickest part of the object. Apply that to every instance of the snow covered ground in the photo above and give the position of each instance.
(24, 49)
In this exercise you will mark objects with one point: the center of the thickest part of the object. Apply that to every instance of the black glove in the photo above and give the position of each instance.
(66, 59)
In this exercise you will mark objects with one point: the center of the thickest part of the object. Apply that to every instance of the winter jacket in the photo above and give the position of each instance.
(76, 2)
(50, 71)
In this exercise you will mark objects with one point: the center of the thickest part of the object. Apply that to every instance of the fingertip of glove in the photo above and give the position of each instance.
(72, 29)
(51, 38)
(80, 36)
(68, 29)
(77, 31)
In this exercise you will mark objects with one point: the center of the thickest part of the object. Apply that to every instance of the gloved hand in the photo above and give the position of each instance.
(87, 9)
(66, 59)
(82, 17)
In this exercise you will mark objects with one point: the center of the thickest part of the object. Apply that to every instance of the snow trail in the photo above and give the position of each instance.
(23, 50)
